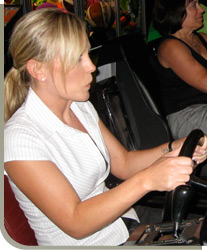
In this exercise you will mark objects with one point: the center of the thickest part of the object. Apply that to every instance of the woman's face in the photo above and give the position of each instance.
(76, 83)
(194, 17)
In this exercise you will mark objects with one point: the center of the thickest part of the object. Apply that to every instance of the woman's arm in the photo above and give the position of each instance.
(51, 192)
(125, 164)
(177, 56)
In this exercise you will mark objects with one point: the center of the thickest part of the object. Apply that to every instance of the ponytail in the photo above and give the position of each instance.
(15, 92)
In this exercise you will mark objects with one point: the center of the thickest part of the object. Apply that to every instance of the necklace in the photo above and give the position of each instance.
(193, 42)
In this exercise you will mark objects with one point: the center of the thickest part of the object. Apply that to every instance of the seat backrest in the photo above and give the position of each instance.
(148, 127)
(145, 124)
(15, 222)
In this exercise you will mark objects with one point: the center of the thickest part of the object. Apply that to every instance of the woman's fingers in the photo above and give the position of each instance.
(170, 172)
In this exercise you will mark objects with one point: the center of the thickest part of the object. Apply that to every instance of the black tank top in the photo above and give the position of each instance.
(176, 93)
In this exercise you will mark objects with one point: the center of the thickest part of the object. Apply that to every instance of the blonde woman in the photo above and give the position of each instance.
(58, 153)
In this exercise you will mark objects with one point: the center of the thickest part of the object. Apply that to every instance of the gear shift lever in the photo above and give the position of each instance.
(181, 199)
(182, 195)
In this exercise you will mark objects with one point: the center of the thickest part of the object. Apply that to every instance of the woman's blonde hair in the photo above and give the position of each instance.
(41, 35)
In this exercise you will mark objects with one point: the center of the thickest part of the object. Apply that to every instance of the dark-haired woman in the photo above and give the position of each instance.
(182, 64)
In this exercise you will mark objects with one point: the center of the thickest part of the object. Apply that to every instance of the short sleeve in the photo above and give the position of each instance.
(22, 143)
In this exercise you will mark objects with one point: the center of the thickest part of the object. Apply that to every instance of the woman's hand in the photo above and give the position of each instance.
(169, 171)
(200, 154)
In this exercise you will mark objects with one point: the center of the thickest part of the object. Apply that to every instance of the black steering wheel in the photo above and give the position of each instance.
(177, 201)
(188, 148)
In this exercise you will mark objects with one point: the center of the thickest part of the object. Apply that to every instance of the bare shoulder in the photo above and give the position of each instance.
(172, 46)
(172, 50)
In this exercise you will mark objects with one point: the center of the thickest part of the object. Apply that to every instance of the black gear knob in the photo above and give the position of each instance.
(182, 196)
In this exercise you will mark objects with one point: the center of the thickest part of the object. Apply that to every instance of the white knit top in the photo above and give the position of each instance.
(34, 132)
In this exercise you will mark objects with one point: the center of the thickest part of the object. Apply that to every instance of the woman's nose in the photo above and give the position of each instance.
(201, 9)
(91, 66)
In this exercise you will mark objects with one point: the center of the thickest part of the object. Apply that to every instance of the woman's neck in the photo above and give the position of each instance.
(59, 106)
(188, 37)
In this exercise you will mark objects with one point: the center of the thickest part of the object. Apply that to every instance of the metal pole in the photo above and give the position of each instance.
(117, 17)
(143, 19)
(26, 6)
(79, 8)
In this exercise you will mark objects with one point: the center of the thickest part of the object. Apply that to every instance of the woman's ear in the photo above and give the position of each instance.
(36, 70)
